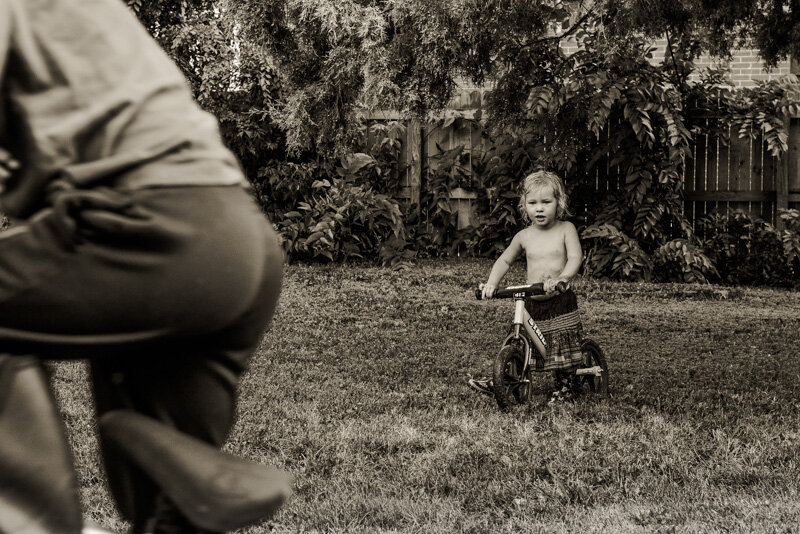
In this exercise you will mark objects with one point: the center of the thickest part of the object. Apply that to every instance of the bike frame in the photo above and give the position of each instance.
(523, 322)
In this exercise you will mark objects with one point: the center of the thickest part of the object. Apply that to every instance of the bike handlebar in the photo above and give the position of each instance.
(528, 290)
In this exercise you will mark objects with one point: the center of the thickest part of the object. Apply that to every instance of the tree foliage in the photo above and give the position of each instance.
(291, 81)
(230, 77)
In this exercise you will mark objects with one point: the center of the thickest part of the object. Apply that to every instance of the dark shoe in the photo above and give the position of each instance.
(482, 385)
(167, 519)
(564, 387)
(215, 491)
(561, 395)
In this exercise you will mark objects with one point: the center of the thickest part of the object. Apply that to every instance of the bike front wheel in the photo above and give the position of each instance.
(511, 381)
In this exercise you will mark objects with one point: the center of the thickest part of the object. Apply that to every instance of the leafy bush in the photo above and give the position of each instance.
(748, 251)
(610, 253)
(332, 211)
(510, 156)
(339, 221)
(293, 80)
(335, 210)
(791, 238)
(281, 185)
(680, 260)
(435, 229)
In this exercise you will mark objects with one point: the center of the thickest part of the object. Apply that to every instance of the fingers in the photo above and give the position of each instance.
(7, 164)
(488, 291)
(554, 284)
(551, 284)
(7, 160)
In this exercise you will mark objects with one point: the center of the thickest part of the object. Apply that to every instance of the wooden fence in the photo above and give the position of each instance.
(742, 175)
(424, 142)
(720, 177)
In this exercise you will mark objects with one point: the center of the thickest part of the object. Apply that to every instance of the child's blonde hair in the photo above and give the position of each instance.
(539, 179)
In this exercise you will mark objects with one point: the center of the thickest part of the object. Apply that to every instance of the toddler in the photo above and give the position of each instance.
(553, 254)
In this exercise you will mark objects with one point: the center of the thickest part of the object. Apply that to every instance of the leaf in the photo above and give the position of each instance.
(352, 163)
(314, 237)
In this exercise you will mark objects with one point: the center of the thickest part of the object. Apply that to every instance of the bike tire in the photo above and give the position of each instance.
(593, 355)
(510, 385)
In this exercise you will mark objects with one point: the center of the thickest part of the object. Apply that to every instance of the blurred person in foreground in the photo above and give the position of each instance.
(134, 244)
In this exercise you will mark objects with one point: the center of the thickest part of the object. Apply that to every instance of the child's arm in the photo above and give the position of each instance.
(501, 266)
(572, 243)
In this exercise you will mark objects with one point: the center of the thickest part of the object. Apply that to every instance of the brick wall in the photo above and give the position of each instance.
(745, 66)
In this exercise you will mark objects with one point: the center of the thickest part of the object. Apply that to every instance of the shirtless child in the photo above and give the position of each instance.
(553, 254)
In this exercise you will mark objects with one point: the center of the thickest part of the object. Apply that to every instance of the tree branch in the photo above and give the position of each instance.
(681, 79)
(567, 33)
(570, 31)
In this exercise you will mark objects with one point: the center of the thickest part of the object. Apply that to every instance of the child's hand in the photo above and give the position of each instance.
(487, 290)
(550, 284)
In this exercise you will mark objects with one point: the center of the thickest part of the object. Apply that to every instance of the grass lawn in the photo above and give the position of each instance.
(359, 389)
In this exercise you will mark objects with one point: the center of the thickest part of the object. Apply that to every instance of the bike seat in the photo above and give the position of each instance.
(214, 490)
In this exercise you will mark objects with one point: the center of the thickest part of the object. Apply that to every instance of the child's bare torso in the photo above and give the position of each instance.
(545, 251)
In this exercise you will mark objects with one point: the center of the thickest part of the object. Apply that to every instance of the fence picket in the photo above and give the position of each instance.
(757, 173)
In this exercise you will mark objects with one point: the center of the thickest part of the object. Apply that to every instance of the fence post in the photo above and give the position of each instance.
(782, 182)
(463, 200)
(414, 159)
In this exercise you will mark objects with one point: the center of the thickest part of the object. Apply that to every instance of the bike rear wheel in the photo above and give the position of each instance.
(511, 381)
(593, 356)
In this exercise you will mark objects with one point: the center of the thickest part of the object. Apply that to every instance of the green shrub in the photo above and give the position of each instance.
(335, 210)
(791, 238)
(681, 261)
(748, 251)
(340, 220)
(612, 254)
(282, 185)
(434, 229)
(500, 170)
(332, 212)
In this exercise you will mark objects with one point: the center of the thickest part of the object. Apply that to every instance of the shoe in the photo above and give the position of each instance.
(482, 385)
(563, 388)
(561, 395)
(167, 519)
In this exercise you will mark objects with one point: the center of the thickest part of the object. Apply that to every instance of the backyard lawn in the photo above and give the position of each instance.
(359, 389)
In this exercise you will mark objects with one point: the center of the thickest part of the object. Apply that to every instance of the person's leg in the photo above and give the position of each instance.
(38, 488)
(190, 384)
(181, 264)
(176, 262)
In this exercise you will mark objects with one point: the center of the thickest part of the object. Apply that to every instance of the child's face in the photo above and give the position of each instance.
(541, 206)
